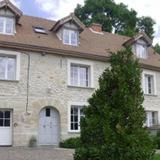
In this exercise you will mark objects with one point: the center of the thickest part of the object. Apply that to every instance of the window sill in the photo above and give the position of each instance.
(70, 86)
(7, 80)
(151, 95)
(74, 132)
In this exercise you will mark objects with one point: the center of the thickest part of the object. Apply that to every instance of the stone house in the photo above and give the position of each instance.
(49, 69)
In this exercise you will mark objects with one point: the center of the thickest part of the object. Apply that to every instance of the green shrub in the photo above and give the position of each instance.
(156, 140)
(70, 143)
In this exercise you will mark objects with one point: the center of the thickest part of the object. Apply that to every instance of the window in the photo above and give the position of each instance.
(141, 51)
(149, 84)
(39, 30)
(80, 75)
(151, 118)
(6, 25)
(8, 67)
(76, 113)
(4, 118)
(70, 37)
(48, 112)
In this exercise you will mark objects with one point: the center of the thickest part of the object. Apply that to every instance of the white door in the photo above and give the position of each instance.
(49, 127)
(5, 128)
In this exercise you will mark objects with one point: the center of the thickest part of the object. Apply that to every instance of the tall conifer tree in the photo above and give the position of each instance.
(113, 126)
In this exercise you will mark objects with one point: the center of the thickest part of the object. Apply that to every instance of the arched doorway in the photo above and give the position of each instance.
(49, 126)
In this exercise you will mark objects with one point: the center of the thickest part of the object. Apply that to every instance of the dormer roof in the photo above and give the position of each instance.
(141, 35)
(70, 18)
(8, 5)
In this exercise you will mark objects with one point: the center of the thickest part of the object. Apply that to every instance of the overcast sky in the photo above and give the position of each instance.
(55, 9)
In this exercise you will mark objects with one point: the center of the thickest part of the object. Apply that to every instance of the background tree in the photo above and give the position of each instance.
(111, 15)
(113, 126)
(146, 24)
(157, 48)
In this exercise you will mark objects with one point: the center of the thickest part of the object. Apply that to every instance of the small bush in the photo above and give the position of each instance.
(32, 142)
(70, 143)
(156, 140)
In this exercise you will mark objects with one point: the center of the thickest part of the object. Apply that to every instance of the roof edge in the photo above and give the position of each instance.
(139, 36)
(12, 7)
(66, 19)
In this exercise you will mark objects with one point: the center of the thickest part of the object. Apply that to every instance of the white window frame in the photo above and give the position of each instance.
(70, 39)
(83, 63)
(148, 123)
(6, 53)
(4, 26)
(78, 104)
(154, 82)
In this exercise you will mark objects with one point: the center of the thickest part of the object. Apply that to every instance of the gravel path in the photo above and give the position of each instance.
(45, 153)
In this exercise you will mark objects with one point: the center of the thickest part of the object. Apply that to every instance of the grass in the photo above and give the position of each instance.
(157, 157)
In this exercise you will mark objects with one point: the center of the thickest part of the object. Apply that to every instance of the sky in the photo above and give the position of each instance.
(56, 9)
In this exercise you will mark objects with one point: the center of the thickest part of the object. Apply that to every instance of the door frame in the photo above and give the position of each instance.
(11, 125)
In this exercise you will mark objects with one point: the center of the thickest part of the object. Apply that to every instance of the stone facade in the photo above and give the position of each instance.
(48, 86)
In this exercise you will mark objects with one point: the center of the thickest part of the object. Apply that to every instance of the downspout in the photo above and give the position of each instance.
(28, 81)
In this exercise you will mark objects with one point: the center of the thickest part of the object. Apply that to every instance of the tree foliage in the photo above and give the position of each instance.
(146, 24)
(111, 15)
(113, 126)
(157, 48)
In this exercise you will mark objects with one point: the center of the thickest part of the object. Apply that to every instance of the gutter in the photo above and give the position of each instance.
(26, 47)
(44, 50)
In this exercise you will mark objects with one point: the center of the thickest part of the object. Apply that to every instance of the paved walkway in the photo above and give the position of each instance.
(45, 153)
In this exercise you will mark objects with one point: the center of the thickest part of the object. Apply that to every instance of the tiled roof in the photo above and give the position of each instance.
(92, 45)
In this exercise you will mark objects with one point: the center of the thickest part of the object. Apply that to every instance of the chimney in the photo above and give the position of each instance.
(96, 27)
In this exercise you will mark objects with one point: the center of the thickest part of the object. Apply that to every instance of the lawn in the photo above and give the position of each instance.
(157, 157)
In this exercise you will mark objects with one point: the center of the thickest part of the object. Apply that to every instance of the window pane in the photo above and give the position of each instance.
(141, 51)
(76, 126)
(48, 112)
(3, 64)
(73, 37)
(9, 25)
(75, 111)
(7, 114)
(83, 76)
(72, 126)
(74, 75)
(7, 122)
(74, 118)
(66, 36)
(152, 118)
(1, 24)
(11, 68)
(76, 115)
(1, 114)
(1, 122)
(149, 84)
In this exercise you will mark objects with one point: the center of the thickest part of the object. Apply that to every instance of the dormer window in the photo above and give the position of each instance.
(141, 51)
(70, 37)
(7, 25)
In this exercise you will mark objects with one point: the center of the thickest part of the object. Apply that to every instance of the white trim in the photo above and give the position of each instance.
(69, 116)
(80, 62)
(17, 55)
(4, 26)
(152, 73)
(101, 33)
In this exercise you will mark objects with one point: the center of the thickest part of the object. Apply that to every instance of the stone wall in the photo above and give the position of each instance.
(48, 86)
